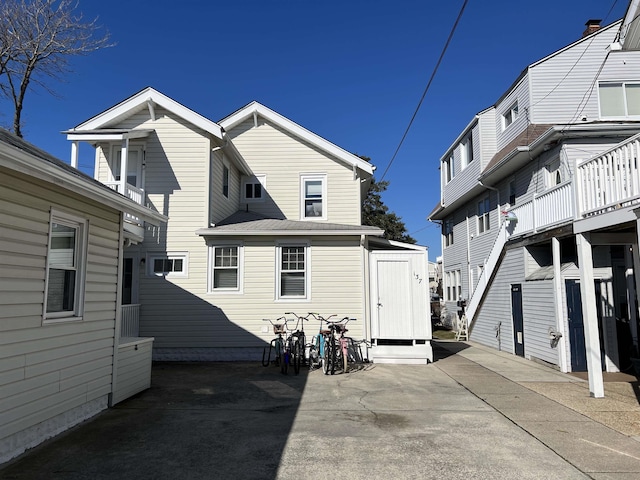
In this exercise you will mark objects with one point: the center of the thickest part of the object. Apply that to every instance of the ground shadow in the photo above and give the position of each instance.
(446, 348)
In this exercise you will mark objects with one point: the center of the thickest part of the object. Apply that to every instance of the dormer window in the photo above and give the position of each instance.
(619, 99)
(510, 116)
(554, 173)
(447, 168)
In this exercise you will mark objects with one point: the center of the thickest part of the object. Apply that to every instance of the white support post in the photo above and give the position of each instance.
(557, 294)
(124, 156)
(590, 316)
(74, 154)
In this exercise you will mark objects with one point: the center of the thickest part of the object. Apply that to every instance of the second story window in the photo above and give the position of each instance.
(253, 188)
(619, 99)
(447, 167)
(512, 192)
(483, 215)
(168, 265)
(225, 181)
(466, 150)
(313, 197)
(510, 116)
(447, 232)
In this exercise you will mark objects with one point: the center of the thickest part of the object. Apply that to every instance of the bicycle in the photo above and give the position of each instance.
(338, 355)
(277, 344)
(297, 342)
(318, 343)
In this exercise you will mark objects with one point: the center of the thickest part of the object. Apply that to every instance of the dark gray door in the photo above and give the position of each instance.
(576, 327)
(518, 321)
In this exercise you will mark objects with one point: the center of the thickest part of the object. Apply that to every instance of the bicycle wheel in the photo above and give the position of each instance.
(298, 353)
(333, 355)
(326, 357)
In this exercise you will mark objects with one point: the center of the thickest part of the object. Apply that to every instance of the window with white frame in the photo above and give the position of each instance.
(135, 155)
(313, 197)
(449, 283)
(293, 272)
(483, 215)
(66, 259)
(168, 265)
(466, 150)
(253, 188)
(553, 173)
(453, 285)
(621, 99)
(510, 116)
(448, 169)
(225, 268)
(447, 231)
(458, 285)
(225, 181)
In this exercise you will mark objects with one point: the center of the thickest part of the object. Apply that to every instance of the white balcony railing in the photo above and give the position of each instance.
(134, 193)
(609, 181)
(130, 325)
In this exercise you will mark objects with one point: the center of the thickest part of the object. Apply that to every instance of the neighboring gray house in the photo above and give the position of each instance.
(62, 355)
(265, 218)
(538, 209)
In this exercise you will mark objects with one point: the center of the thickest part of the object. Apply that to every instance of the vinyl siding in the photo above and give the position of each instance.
(539, 313)
(519, 95)
(282, 158)
(496, 307)
(487, 135)
(464, 180)
(220, 206)
(181, 317)
(562, 86)
(47, 370)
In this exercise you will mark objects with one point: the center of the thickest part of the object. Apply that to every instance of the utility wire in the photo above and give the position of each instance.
(453, 29)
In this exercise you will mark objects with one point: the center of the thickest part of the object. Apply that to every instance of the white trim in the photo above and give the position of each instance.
(81, 226)
(211, 267)
(184, 256)
(140, 100)
(307, 177)
(253, 108)
(287, 233)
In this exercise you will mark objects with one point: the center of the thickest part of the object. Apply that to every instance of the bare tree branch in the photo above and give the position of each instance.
(37, 39)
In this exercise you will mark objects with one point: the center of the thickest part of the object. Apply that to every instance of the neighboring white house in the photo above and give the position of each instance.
(62, 356)
(538, 209)
(265, 218)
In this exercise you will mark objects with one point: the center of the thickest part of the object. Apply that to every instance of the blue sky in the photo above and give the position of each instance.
(350, 71)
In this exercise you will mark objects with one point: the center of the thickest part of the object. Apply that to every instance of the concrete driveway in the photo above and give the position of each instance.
(239, 420)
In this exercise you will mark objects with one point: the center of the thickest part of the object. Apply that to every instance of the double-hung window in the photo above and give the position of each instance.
(293, 272)
(620, 99)
(483, 215)
(448, 169)
(253, 188)
(66, 258)
(225, 268)
(510, 116)
(466, 150)
(168, 265)
(447, 231)
(313, 197)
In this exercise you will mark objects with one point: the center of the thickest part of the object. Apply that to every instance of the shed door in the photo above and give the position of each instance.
(394, 300)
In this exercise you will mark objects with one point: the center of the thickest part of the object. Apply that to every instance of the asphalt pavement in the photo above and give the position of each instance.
(474, 413)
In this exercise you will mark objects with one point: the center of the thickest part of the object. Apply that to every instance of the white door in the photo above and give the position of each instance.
(134, 165)
(394, 316)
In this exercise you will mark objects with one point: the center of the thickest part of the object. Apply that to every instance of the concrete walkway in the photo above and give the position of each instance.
(474, 413)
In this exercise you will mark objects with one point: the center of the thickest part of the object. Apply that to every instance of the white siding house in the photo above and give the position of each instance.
(539, 245)
(61, 243)
(264, 218)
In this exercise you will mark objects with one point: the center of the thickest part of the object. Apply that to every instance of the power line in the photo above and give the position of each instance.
(453, 29)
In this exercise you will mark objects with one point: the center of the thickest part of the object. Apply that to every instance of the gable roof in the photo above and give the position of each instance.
(257, 109)
(148, 98)
(19, 155)
(252, 223)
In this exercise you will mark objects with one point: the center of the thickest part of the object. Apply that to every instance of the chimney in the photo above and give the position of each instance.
(592, 25)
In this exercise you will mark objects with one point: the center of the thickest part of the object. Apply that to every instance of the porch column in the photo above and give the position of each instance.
(74, 154)
(557, 293)
(589, 315)
(124, 157)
